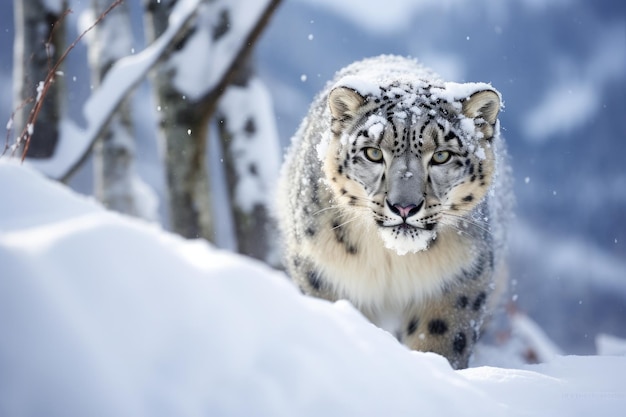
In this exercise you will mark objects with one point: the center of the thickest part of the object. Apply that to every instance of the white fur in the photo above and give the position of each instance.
(379, 278)
(403, 244)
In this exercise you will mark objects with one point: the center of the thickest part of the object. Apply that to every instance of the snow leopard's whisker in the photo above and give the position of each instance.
(343, 224)
(471, 222)
(349, 221)
(340, 207)
(326, 209)
(456, 227)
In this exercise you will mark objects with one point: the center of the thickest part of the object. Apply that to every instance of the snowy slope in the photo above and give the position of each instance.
(104, 315)
(565, 57)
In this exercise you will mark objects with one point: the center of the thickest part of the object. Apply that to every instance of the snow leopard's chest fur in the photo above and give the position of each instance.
(392, 197)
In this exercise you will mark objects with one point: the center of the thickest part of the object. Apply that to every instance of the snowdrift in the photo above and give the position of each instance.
(103, 315)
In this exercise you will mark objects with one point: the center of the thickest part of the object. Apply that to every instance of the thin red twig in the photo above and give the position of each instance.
(32, 117)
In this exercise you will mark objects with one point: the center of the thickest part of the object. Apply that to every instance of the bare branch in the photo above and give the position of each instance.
(44, 86)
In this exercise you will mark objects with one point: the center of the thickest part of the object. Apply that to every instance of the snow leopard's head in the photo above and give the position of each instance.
(415, 158)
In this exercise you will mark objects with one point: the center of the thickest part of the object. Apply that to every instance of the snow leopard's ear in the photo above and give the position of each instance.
(485, 105)
(344, 104)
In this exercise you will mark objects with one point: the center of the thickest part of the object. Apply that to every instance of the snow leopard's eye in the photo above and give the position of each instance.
(373, 154)
(441, 157)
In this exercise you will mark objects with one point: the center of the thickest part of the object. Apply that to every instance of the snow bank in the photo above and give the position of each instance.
(567, 386)
(101, 314)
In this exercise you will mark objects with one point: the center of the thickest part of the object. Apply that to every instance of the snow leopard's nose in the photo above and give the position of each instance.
(405, 210)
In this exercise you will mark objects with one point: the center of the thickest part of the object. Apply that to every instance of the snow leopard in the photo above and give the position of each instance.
(394, 196)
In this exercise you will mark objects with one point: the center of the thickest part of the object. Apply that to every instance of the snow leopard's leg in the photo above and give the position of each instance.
(450, 323)
(309, 279)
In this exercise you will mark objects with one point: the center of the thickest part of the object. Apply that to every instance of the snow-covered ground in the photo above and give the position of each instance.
(565, 59)
(103, 315)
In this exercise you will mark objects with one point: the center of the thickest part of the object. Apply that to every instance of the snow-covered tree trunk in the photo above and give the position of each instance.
(183, 127)
(114, 174)
(252, 160)
(38, 45)
(188, 85)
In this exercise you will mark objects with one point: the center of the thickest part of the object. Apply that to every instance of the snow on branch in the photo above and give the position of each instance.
(243, 22)
(232, 27)
(127, 73)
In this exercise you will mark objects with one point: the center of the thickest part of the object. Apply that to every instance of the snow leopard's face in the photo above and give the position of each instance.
(414, 163)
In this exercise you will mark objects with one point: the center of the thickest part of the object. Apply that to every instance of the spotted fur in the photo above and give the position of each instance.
(393, 197)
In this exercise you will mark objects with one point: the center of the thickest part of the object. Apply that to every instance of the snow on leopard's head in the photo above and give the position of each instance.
(416, 157)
